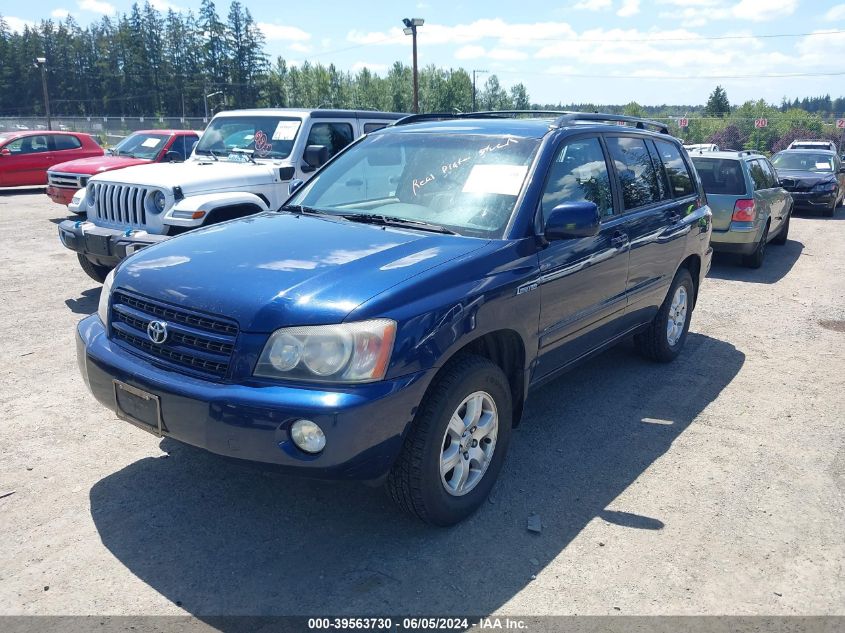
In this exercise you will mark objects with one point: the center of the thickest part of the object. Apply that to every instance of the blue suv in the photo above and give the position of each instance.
(389, 320)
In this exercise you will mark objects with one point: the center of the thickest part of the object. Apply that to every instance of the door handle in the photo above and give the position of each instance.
(674, 218)
(619, 239)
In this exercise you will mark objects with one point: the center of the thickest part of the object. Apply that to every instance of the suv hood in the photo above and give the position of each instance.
(793, 180)
(276, 269)
(197, 177)
(97, 164)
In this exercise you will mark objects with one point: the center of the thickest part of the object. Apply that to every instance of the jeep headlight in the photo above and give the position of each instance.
(91, 192)
(347, 352)
(105, 295)
(157, 201)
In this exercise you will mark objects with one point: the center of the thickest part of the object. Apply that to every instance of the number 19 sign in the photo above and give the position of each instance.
(761, 123)
(683, 122)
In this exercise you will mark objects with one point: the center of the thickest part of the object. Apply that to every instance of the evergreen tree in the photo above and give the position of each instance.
(718, 104)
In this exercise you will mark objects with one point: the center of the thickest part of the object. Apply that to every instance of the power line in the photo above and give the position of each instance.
(667, 77)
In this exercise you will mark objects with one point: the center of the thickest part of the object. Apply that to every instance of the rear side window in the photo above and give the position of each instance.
(372, 127)
(771, 174)
(680, 179)
(579, 174)
(335, 136)
(637, 175)
(758, 175)
(720, 175)
(66, 141)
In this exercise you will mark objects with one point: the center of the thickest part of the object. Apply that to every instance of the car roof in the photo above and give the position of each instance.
(808, 151)
(16, 134)
(177, 132)
(315, 113)
(733, 154)
(507, 126)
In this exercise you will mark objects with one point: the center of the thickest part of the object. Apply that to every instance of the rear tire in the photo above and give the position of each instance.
(94, 271)
(665, 336)
(435, 478)
(755, 260)
(782, 236)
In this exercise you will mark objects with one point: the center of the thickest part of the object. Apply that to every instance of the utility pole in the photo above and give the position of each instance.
(411, 25)
(41, 62)
(474, 73)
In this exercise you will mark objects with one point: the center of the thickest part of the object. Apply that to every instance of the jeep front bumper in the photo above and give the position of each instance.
(104, 246)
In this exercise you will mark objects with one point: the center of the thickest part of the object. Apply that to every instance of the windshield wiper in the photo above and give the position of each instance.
(377, 218)
(298, 208)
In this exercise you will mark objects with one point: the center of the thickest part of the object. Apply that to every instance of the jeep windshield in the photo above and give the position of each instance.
(804, 161)
(266, 136)
(141, 145)
(466, 184)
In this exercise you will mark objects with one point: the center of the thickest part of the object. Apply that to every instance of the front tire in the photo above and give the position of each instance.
(95, 271)
(665, 336)
(456, 445)
(829, 211)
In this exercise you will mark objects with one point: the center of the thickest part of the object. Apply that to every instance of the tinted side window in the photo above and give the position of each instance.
(335, 136)
(758, 176)
(66, 141)
(28, 145)
(680, 179)
(771, 174)
(662, 182)
(579, 173)
(637, 175)
(372, 127)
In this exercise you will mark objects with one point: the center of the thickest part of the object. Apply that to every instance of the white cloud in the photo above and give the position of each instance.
(299, 47)
(592, 5)
(628, 8)
(470, 52)
(374, 68)
(60, 14)
(96, 6)
(836, 13)
(516, 34)
(17, 24)
(275, 32)
(164, 6)
(762, 10)
(473, 51)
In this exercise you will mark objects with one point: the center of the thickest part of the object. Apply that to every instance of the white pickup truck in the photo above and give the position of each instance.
(242, 165)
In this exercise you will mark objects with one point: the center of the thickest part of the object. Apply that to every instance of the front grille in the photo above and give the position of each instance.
(120, 204)
(68, 181)
(199, 343)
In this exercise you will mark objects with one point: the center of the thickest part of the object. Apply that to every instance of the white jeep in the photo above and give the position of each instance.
(242, 165)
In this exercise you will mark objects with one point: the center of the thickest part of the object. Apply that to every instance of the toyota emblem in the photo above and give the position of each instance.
(157, 331)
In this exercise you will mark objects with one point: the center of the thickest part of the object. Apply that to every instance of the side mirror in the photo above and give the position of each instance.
(571, 220)
(5, 152)
(842, 169)
(109, 152)
(315, 157)
(294, 185)
(173, 157)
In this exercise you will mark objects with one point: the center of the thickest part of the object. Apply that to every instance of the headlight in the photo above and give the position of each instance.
(105, 295)
(348, 352)
(91, 190)
(826, 186)
(158, 200)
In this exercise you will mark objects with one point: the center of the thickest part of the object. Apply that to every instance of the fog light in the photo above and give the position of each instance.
(308, 436)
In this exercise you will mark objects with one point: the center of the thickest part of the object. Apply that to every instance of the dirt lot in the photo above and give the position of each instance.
(713, 485)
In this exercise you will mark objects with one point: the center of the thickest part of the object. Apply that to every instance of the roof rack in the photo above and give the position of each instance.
(562, 117)
(750, 152)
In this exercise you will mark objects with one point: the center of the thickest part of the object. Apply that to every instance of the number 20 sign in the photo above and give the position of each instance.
(761, 123)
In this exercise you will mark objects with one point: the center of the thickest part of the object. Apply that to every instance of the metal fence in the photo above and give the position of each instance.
(108, 130)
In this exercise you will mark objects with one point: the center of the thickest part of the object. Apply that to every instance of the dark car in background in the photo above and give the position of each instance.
(750, 208)
(815, 178)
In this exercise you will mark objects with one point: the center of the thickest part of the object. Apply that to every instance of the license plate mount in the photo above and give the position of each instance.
(138, 407)
(97, 244)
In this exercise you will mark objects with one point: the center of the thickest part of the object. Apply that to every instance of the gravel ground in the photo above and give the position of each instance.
(713, 485)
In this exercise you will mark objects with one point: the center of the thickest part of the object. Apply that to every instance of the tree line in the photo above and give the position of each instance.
(148, 63)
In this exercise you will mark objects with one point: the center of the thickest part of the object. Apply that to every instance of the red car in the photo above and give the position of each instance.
(26, 156)
(145, 146)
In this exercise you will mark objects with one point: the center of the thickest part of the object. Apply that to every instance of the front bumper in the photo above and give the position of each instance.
(60, 195)
(104, 246)
(364, 424)
(809, 200)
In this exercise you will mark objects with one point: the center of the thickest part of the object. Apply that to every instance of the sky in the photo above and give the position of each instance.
(577, 51)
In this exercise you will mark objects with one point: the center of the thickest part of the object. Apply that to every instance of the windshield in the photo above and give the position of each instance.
(141, 145)
(464, 183)
(720, 175)
(804, 161)
(266, 136)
